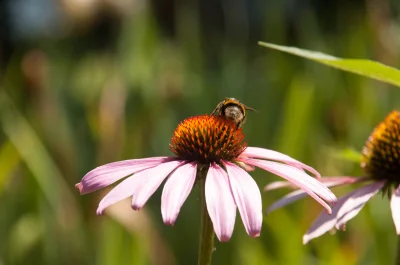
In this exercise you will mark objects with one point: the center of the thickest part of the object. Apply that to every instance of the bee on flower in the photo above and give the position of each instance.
(233, 110)
(215, 146)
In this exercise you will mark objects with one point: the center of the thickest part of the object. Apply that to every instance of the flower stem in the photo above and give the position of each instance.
(206, 230)
(397, 261)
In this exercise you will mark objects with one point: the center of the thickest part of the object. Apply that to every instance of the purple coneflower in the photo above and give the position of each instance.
(381, 164)
(201, 143)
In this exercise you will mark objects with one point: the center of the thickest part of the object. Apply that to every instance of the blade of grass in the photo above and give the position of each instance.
(368, 68)
(9, 159)
(34, 154)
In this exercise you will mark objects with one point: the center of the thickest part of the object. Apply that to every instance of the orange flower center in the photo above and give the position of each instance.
(206, 139)
(381, 153)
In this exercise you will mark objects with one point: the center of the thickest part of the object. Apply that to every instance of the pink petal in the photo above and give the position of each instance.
(324, 222)
(220, 203)
(313, 187)
(176, 190)
(356, 202)
(299, 194)
(278, 185)
(256, 152)
(328, 181)
(105, 175)
(245, 166)
(342, 180)
(287, 199)
(121, 191)
(247, 198)
(395, 206)
(345, 208)
(340, 222)
(130, 185)
(150, 182)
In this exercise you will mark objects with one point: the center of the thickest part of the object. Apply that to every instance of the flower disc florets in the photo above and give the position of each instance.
(381, 154)
(207, 138)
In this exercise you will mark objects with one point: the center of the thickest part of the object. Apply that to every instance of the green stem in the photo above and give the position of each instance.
(397, 261)
(206, 230)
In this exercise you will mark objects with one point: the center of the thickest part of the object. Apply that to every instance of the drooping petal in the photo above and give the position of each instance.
(132, 184)
(123, 190)
(220, 203)
(356, 201)
(105, 175)
(313, 187)
(299, 194)
(342, 180)
(176, 190)
(395, 206)
(324, 222)
(247, 198)
(257, 152)
(328, 181)
(345, 208)
(287, 199)
(278, 185)
(340, 222)
(150, 182)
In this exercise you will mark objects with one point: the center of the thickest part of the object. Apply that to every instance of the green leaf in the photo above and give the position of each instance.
(366, 68)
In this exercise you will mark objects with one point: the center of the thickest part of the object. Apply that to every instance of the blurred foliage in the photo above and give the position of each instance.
(84, 83)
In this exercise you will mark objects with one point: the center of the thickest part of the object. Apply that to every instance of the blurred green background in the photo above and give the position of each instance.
(87, 82)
